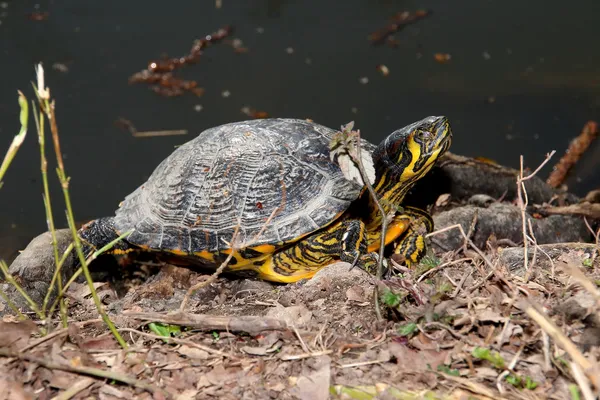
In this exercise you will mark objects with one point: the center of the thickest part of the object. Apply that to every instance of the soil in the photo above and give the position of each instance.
(452, 328)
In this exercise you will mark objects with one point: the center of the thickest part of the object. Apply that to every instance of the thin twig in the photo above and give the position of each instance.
(442, 266)
(77, 387)
(582, 381)
(181, 341)
(477, 250)
(292, 357)
(44, 339)
(523, 200)
(384, 223)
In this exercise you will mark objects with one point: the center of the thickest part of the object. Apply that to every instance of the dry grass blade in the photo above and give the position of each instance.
(583, 280)
(18, 139)
(77, 387)
(47, 106)
(590, 369)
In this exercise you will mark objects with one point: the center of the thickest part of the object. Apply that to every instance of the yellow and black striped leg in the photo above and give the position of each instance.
(346, 241)
(411, 244)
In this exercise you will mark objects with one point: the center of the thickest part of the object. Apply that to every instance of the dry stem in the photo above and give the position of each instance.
(523, 200)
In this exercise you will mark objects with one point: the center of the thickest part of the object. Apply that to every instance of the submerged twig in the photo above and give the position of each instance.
(573, 154)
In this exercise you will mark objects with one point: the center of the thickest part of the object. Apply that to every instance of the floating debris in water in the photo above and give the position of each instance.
(398, 22)
(225, 93)
(364, 80)
(385, 71)
(60, 67)
(308, 60)
(354, 110)
(260, 29)
(486, 55)
(289, 50)
(38, 16)
(442, 58)
(177, 132)
(253, 113)
(198, 107)
(238, 46)
(159, 73)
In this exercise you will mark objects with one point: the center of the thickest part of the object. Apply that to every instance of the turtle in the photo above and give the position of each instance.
(272, 185)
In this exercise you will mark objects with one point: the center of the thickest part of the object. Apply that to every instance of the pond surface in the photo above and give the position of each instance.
(522, 78)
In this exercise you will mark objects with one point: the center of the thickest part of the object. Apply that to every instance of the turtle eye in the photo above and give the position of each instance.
(422, 135)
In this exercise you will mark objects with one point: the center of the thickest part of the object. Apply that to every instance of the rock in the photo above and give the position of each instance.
(504, 221)
(512, 257)
(340, 272)
(34, 267)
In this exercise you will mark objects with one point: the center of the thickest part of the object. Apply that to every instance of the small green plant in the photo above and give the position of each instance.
(430, 261)
(390, 299)
(447, 370)
(574, 390)
(164, 330)
(492, 356)
(216, 336)
(587, 262)
(408, 329)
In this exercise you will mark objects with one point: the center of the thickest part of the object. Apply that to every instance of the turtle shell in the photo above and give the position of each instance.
(239, 174)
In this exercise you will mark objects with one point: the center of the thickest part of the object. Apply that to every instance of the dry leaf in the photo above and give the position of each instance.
(193, 353)
(417, 361)
(356, 293)
(442, 200)
(15, 335)
(314, 382)
(297, 316)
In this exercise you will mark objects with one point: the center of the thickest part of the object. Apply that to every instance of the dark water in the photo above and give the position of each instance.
(523, 79)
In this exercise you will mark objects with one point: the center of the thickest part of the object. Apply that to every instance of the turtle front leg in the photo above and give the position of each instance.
(345, 241)
(411, 245)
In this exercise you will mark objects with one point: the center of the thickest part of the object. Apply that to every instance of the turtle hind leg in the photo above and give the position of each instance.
(100, 232)
(345, 241)
(411, 245)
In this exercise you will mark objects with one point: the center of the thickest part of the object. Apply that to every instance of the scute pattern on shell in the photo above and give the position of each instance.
(239, 172)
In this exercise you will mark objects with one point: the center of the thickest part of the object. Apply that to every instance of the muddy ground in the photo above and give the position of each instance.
(461, 325)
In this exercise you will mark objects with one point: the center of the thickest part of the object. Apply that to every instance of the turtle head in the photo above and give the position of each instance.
(409, 153)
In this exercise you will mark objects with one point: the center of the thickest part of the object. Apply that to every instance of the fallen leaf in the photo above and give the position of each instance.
(12, 390)
(442, 200)
(298, 316)
(15, 335)
(188, 394)
(108, 391)
(262, 350)
(313, 384)
(356, 293)
(490, 316)
(193, 353)
(417, 361)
